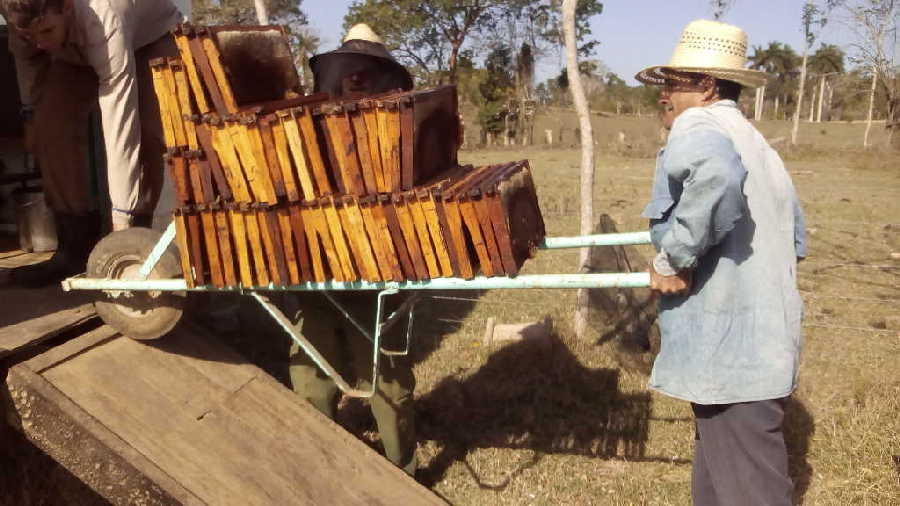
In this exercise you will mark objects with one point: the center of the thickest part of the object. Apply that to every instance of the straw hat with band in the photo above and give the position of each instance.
(361, 48)
(711, 48)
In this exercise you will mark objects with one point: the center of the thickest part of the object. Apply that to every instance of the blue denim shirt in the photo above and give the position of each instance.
(724, 206)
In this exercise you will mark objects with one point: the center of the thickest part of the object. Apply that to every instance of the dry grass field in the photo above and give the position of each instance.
(562, 421)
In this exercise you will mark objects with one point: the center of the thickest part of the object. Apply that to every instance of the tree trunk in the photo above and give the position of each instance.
(451, 63)
(262, 12)
(582, 308)
(821, 100)
(776, 107)
(796, 128)
(871, 107)
(756, 107)
(812, 105)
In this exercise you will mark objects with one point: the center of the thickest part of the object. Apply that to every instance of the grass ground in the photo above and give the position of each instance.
(571, 422)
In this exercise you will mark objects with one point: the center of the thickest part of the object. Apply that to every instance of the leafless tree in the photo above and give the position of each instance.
(582, 309)
(875, 24)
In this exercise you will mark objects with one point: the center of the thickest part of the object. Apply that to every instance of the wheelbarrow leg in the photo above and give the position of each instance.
(317, 357)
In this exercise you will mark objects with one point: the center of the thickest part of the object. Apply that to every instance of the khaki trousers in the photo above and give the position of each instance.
(67, 95)
(350, 353)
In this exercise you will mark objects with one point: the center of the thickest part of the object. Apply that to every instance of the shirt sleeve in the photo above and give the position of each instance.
(29, 63)
(706, 164)
(110, 53)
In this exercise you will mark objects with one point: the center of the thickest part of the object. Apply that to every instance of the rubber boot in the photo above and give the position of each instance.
(76, 237)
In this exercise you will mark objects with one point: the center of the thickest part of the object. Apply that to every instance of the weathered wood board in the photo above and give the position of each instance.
(188, 421)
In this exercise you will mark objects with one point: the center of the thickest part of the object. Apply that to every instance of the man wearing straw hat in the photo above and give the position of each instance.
(362, 66)
(725, 220)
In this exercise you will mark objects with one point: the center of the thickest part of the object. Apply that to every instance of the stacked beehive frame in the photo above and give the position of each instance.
(297, 189)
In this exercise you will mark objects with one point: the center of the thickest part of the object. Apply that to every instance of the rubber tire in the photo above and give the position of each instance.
(144, 315)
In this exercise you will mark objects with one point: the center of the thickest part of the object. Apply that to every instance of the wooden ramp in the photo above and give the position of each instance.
(184, 420)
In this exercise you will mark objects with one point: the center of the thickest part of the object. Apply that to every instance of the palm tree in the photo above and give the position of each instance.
(779, 61)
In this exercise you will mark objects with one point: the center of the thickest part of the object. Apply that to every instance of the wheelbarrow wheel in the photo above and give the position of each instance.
(142, 315)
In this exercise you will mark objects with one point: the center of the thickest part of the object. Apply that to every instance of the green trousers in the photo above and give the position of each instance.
(350, 353)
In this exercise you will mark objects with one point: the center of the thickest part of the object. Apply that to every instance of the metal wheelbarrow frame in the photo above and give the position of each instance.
(124, 287)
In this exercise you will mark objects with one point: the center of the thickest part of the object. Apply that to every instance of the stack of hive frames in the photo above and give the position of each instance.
(258, 205)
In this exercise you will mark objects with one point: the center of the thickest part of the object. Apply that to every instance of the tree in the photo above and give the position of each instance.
(582, 307)
(243, 12)
(875, 24)
(827, 60)
(430, 35)
(778, 60)
(427, 35)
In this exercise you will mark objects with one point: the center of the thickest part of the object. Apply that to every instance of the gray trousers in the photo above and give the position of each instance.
(740, 456)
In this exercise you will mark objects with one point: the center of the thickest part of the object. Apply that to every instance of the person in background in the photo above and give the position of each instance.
(362, 66)
(726, 222)
(70, 55)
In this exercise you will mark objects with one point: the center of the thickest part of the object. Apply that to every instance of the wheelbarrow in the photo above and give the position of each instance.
(142, 296)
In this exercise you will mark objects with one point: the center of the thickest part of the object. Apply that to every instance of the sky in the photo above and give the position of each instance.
(634, 34)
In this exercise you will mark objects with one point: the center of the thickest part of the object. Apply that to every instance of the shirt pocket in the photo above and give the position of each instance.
(658, 208)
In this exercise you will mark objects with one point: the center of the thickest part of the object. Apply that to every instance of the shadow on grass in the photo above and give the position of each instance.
(536, 395)
(799, 428)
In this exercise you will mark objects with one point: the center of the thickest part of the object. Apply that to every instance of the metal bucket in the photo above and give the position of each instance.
(37, 229)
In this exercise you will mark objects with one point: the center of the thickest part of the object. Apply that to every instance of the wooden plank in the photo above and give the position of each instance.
(162, 97)
(407, 146)
(215, 64)
(251, 134)
(78, 442)
(315, 220)
(470, 218)
(189, 422)
(37, 330)
(239, 234)
(382, 256)
(287, 241)
(210, 234)
(271, 156)
(410, 236)
(283, 152)
(206, 73)
(343, 144)
(184, 251)
(231, 164)
(384, 236)
(393, 224)
(388, 116)
(272, 223)
(187, 58)
(494, 206)
(354, 222)
(310, 143)
(299, 155)
(269, 252)
(209, 154)
(195, 242)
(361, 137)
(316, 251)
(173, 107)
(441, 247)
(183, 91)
(370, 118)
(223, 231)
(254, 238)
(339, 237)
(455, 225)
(301, 249)
(418, 216)
(484, 219)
